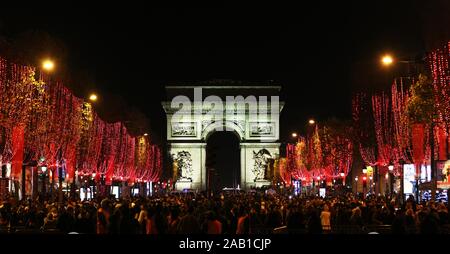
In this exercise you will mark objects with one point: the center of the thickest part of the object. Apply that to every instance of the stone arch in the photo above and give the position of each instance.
(226, 126)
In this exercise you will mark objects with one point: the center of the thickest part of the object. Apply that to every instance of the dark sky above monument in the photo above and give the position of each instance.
(319, 53)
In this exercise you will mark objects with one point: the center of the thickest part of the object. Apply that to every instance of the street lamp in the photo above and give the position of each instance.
(364, 185)
(93, 97)
(294, 135)
(93, 186)
(48, 65)
(387, 60)
(145, 134)
(311, 121)
(44, 179)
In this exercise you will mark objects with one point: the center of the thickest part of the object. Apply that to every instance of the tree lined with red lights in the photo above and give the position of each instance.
(41, 121)
(325, 154)
(395, 128)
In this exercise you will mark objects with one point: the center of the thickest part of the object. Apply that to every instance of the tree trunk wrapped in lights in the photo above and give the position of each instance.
(363, 128)
(439, 65)
(41, 120)
(401, 122)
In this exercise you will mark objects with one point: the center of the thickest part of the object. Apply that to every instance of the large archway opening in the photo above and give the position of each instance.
(222, 161)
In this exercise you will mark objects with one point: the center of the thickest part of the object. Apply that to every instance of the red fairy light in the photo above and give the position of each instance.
(57, 126)
(439, 65)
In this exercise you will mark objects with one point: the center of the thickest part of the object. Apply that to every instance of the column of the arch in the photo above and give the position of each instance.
(243, 166)
(203, 166)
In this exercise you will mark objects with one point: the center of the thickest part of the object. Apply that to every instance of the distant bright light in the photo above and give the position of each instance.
(294, 134)
(342, 174)
(48, 65)
(387, 60)
(311, 121)
(387, 175)
(44, 169)
(356, 178)
(146, 134)
(364, 171)
(318, 178)
(391, 167)
(93, 97)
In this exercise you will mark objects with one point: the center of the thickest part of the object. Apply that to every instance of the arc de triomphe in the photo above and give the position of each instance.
(254, 122)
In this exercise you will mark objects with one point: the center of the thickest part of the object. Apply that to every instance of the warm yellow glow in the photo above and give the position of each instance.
(48, 65)
(93, 97)
(311, 121)
(294, 134)
(387, 60)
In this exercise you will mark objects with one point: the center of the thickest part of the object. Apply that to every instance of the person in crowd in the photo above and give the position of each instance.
(325, 218)
(188, 224)
(243, 226)
(174, 220)
(212, 225)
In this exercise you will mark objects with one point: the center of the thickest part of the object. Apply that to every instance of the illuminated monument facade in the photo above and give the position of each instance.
(250, 112)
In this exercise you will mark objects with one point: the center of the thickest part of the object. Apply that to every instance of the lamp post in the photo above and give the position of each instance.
(342, 174)
(388, 190)
(44, 178)
(390, 179)
(364, 185)
(93, 184)
(364, 171)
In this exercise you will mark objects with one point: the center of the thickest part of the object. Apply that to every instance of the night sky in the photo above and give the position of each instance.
(319, 53)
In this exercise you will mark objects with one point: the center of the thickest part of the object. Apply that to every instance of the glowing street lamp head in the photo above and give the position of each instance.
(294, 134)
(342, 174)
(48, 65)
(146, 134)
(391, 167)
(93, 97)
(311, 121)
(387, 60)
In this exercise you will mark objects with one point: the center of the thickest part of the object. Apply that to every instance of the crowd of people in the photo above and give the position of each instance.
(224, 213)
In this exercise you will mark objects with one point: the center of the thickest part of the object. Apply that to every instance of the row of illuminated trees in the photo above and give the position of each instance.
(408, 124)
(42, 123)
(324, 154)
